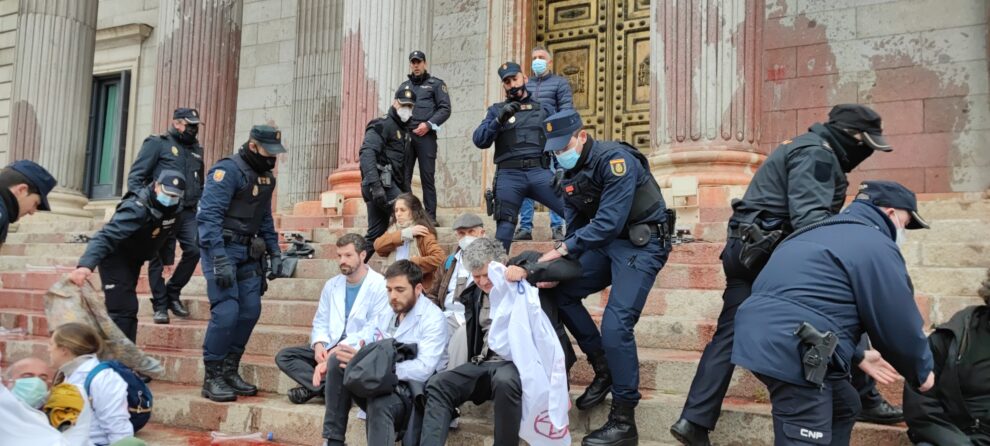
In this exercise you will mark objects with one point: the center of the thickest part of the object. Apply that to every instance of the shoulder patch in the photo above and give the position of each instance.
(175, 151)
(618, 167)
(443, 87)
(218, 175)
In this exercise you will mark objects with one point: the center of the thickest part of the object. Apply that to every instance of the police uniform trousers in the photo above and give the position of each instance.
(424, 149)
(387, 414)
(188, 237)
(299, 363)
(631, 271)
(514, 185)
(496, 381)
(378, 217)
(808, 415)
(119, 274)
(233, 311)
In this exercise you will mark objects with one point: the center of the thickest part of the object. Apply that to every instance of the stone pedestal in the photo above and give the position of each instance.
(51, 90)
(199, 46)
(706, 64)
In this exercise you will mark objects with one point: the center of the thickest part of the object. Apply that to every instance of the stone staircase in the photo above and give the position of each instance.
(947, 264)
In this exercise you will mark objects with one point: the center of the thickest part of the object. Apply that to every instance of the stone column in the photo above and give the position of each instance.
(316, 103)
(706, 65)
(378, 36)
(52, 86)
(199, 46)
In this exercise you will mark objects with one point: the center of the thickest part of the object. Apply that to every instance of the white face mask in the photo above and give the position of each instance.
(464, 242)
(404, 113)
(901, 236)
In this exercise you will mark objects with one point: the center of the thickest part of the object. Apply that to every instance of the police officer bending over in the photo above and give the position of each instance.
(179, 150)
(235, 231)
(24, 188)
(383, 160)
(803, 181)
(139, 230)
(822, 289)
(515, 126)
(617, 226)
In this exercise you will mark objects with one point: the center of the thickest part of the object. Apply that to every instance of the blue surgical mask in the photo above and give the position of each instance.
(166, 199)
(539, 66)
(569, 158)
(33, 391)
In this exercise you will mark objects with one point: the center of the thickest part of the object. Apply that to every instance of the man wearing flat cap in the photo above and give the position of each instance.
(236, 234)
(802, 182)
(177, 149)
(823, 288)
(139, 230)
(24, 188)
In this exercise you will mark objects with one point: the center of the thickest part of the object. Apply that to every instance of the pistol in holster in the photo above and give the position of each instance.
(491, 204)
(819, 349)
(385, 175)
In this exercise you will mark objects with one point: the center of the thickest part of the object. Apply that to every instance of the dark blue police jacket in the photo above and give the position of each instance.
(841, 277)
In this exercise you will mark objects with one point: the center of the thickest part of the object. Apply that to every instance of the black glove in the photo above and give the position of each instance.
(223, 272)
(275, 263)
(378, 196)
(509, 109)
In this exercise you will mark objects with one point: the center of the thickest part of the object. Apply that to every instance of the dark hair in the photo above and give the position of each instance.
(405, 268)
(10, 178)
(419, 215)
(352, 239)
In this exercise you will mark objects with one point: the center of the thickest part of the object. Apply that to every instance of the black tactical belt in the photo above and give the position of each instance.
(655, 231)
(234, 237)
(527, 163)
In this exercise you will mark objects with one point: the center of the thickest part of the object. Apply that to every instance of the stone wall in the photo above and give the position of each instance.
(922, 64)
(8, 31)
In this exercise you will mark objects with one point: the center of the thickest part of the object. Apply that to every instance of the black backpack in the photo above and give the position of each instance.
(139, 399)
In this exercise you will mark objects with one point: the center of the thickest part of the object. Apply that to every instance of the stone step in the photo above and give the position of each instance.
(959, 208)
(953, 231)
(155, 434)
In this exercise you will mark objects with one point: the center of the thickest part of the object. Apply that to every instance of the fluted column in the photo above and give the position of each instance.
(51, 90)
(378, 36)
(317, 97)
(199, 46)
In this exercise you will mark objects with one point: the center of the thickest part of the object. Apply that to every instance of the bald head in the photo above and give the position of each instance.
(27, 368)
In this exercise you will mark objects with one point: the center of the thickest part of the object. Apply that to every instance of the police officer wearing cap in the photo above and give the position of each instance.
(824, 287)
(138, 231)
(383, 156)
(24, 188)
(431, 110)
(516, 128)
(179, 150)
(236, 230)
(618, 227)
(802, 182)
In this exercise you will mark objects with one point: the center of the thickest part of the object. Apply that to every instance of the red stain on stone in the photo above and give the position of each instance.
(359, 103)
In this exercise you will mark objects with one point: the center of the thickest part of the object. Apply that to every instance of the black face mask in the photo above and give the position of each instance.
(516, 93)
(852, 152)
(187, 136)
(258, 162)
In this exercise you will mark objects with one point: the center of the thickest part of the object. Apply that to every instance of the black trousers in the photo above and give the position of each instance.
(387, 414)
(188, 238)
(298, 363)
(119, 275)
(804, 415)
(378, 217)
(424, 149)
(496, 381)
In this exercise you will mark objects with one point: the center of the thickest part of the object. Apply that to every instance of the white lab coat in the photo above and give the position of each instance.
(108, 399)
(23, 424)
(522, 333)
(370, 304)
(425, 326)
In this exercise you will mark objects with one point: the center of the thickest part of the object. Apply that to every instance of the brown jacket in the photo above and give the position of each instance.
(438, 293)
(431, 254)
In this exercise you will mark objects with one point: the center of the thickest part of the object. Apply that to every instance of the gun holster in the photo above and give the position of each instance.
(819, 348)
(489, 202)
(257, 248)
(385, 175)
(758, 242)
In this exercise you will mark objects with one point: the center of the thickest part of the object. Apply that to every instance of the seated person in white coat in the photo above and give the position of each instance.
(350, 306)
(74, 349)
(414, 319)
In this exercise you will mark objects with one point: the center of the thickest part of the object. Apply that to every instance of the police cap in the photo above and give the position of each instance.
(889, 194)
(559, 128)
(405, 95)
(508, 69)
(38, 177)
(861, 118)
(173, 182)
(417, 55)
(269, 137)
(191, 115)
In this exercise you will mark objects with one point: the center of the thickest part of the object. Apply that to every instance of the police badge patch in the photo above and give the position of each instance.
(175, 151)
(218, 175)
(618, 167)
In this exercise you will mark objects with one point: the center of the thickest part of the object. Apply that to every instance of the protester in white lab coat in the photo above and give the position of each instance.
(350, 305)
(414, 319)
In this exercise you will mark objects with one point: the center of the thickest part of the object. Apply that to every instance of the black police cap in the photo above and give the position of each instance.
(191, 115)
(508, 69)
(269, 137)
(173, 182)
(864, 119)
(40, 179)
(417, 55)
(559, 128)
(890, 194)
(405, 95)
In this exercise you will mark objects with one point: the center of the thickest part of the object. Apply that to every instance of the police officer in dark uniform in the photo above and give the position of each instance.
(516, 128)
(179, 150)
(802, 182)
(383, 160)
(236, 230)
(139, 231)
(822, 289)
(618, 227)
(431, 111)
(24, 188)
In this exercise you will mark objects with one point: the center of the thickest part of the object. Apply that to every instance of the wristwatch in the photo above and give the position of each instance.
(560, 247)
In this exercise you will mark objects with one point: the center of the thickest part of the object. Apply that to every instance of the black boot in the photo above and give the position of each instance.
(214, 386)
(690, 434)
(600, 386)
(619, 430)
(178, 308)
(161, 316)
(230, 365)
